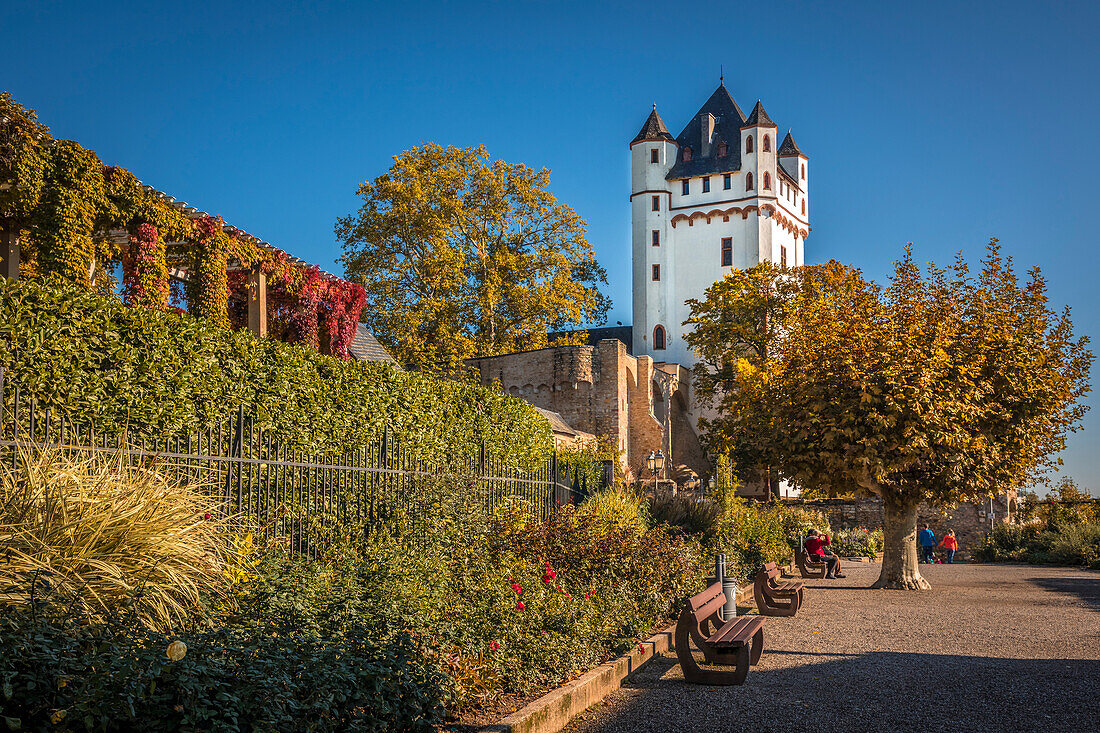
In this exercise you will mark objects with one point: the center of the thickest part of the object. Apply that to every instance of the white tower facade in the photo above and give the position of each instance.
(725, 193)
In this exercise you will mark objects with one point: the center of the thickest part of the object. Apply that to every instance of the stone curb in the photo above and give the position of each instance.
(553, 711)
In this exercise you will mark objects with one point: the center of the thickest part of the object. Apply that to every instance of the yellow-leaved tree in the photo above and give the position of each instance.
(463, 256)
(940, 387)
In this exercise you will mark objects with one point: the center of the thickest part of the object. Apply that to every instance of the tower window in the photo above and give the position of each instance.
(783, 256)
(748, 181)
(803, 172)
(748, 144)
(767, 181)
(658, 338)
(656, 273)
(656, 238)
(767, 148)
(726, 181)
(803, 206)
(727, 251)
(687, 154)
(706, 185)
(653, 155)
(655, 203)
(722, 150)
(687, 186)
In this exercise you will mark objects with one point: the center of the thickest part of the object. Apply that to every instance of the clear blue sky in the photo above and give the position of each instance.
(938, 123)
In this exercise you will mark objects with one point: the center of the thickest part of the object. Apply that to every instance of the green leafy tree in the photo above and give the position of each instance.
(940, 387)
(737, 322)
(463, 256)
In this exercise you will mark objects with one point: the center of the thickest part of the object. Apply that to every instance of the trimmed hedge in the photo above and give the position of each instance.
(64, 676)
(87, 355)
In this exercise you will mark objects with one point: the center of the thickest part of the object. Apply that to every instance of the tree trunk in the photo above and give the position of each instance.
(899, 553)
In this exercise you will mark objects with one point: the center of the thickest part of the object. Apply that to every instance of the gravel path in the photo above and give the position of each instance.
(993, 647)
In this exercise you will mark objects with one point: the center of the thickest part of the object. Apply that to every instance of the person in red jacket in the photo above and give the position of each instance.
(815, 548)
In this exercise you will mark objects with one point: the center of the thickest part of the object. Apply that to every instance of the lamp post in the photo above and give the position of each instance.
(655, 462)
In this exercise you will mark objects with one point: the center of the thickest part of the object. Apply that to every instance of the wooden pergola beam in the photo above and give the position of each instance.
(257, 302)
(9, 249)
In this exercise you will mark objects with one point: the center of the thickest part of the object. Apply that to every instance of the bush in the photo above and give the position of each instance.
(120, 677)
(686, 514)
(1071, 544)
(100, 536)
(154, 373)
(857, 542)
(749, 534)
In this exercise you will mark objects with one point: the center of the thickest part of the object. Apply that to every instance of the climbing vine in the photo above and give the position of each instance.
(81, 219)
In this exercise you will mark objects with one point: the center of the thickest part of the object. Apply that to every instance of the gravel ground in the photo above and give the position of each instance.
(993, 647)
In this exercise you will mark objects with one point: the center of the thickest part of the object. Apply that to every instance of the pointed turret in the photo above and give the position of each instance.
(653, 129)
(789, 146)
(758, 117)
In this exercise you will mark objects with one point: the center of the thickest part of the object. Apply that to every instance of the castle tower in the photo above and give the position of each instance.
(723, 194)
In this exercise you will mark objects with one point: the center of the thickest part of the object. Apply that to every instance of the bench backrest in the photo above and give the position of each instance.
(772, 570)
(814, 559)
(706, 604)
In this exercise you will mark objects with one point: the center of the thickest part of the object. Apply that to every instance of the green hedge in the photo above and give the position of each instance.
(87, 355)
(64, 676)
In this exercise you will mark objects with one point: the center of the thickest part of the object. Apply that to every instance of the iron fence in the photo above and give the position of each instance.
(279, 490)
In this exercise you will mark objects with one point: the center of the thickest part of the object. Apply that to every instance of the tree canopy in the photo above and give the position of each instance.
(463, 256)
(942, 386)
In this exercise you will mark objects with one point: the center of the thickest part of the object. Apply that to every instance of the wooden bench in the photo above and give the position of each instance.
(776, 598)
(812, 569)
(737, 642)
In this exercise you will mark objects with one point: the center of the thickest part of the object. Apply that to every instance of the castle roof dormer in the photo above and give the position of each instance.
(720, 119)
(653, 129)
(758, 118)
(790, 147)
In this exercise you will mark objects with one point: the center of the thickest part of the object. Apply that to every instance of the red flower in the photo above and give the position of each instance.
(207, 516)
(520, 606)
(493, 646)
(516, 587)
(641, 648)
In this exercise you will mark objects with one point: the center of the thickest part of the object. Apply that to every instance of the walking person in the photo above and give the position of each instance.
(949, 545)
(927, 541)
(815, 547)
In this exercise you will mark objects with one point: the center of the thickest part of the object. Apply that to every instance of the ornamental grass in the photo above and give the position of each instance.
(101, 539)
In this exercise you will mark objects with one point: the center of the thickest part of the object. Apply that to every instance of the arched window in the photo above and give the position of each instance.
(803, 206)
(767, 143)
(722, 150)
(748, 181)
(659, 338)
(687, 154)
(748, 144)
(767, 181)
(803, 172)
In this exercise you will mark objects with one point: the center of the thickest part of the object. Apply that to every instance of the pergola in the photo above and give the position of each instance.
(257, 280)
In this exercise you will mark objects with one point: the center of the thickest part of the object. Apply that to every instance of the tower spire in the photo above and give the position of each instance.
(721, 76)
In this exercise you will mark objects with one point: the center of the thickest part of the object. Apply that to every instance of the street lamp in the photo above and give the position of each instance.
(655, 462)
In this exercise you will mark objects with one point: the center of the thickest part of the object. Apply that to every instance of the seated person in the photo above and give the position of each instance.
(815, 548)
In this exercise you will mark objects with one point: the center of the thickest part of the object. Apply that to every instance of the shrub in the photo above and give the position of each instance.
(120, 677)
(857, 542)
(685, 514)
(749, 535)
(1072, 544)
(153, 373)
(102, 536)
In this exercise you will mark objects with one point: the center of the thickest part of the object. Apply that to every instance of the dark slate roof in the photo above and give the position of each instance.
(595, 335)
(365, 347)
(653, 129)
(758, 117)
(789, 146)
(727, 128)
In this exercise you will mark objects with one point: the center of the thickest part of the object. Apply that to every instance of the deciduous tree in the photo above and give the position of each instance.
(940, 387)
(463, 256)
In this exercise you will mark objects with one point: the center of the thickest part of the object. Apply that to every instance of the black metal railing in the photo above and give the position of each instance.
(279, 490)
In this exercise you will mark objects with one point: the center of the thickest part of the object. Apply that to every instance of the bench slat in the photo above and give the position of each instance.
(710, 609)
(736, 631)
(699, 600)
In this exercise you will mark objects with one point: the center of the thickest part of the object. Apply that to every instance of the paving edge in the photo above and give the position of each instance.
(554, 710)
